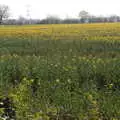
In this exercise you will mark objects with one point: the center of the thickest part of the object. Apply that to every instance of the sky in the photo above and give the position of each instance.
(40, 9)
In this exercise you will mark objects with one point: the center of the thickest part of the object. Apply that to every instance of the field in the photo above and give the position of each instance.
(61, 72)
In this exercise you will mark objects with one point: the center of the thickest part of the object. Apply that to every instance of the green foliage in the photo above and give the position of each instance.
(61, 79)
(79, 87)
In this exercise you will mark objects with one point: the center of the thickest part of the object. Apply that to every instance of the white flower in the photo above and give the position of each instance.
(57, 80)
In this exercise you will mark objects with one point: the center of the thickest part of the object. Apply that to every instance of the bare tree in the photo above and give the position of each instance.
(114, 18)
(84, 15)
(4, 12)
(52, 19)
(21, 20)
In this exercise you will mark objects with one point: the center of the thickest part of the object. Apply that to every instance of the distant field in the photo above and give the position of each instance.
(102, 31)
(61, 72)
(101, 40)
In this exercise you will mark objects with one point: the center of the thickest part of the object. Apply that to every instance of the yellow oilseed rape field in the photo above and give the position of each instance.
(60, 72)
(103, 31)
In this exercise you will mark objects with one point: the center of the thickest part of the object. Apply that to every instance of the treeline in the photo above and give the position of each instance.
(56, 20)
(83, 17)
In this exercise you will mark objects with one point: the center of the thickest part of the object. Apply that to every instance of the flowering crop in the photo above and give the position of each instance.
(104, 31)
(64, 72)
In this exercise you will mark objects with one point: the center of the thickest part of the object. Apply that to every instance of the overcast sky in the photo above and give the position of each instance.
(63, 8)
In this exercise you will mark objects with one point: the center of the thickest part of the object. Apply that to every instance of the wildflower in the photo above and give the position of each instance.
(57, 80)
(69, 80)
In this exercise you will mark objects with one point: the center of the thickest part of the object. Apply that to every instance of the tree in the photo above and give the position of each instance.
(114, 18)
(53, 19)
(84, 16)
(4, 12)
(21, 20)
